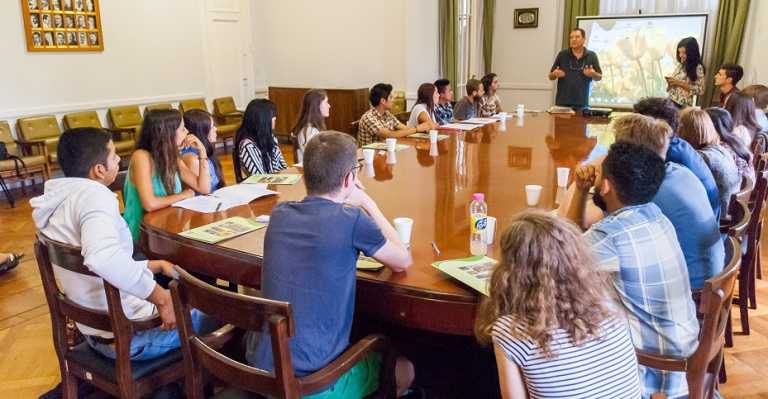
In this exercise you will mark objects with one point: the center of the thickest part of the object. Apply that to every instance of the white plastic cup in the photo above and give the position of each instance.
(433, 136)
(490, 229)
(532, 194)
(433, 150)
(404, 227)
(368, 154)
(520, 121)
(391, 157)
(503, 125)
(391, 144)
(369, 170)
(562, 177)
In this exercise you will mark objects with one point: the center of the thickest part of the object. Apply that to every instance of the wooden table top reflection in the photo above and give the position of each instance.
(432, 184)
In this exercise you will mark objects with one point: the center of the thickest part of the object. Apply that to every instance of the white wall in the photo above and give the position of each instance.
(152, 53)
(754, 58)
(522, 57)
(346, 43)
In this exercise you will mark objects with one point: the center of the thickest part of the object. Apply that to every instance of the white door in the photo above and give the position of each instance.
(228, 56)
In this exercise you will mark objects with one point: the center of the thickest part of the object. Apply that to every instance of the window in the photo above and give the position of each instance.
(464, 33)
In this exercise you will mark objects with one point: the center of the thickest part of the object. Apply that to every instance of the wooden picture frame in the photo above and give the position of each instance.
(62, 25)
(526, 18)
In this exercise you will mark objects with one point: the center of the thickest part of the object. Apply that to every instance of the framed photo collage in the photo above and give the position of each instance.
(62, 25)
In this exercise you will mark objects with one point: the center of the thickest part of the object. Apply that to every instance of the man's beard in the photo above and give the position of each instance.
(599, 201)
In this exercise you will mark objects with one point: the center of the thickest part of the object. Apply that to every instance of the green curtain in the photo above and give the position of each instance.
(489, 10)
(577, 8)
(729, 31)
(449, 23)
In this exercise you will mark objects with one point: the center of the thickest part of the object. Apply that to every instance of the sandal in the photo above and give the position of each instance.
(10, 263)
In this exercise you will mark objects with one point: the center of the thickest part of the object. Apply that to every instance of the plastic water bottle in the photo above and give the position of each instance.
(478, 216)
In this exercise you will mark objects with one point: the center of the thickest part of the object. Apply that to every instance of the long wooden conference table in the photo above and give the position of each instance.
(431, 185)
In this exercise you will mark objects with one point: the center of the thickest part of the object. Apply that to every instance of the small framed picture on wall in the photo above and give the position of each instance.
(526, 18)
(62, 25)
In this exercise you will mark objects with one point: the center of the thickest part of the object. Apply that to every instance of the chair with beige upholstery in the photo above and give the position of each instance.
(226, 126)
(32, 164)
(124, 138)
(39, 135)
(126, 117)
(152, 107)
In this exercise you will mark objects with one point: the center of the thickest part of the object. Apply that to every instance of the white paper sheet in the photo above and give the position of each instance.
(457, 126)
(225, 198)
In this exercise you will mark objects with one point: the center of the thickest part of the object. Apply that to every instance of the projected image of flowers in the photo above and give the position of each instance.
(635, 55)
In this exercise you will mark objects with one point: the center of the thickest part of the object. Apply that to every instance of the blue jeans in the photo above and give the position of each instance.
(153, 343)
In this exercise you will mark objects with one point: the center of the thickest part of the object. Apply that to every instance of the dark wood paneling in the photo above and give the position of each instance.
(347, 105)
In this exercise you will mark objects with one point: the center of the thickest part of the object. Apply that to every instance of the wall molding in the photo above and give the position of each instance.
(95, 105)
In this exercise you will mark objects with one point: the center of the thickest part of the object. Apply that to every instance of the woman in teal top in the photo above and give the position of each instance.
(200, 123)
(156, 172)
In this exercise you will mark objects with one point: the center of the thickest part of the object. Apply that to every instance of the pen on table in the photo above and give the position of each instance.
(218, 207)
(434, 246)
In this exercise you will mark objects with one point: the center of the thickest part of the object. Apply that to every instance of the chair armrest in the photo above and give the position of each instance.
(146, 323)
(118, 131)
(217, 339)
(334, 370)
(26, 146)
(661, 362)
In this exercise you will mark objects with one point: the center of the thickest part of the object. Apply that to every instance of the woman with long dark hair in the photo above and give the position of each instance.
(423, 112)
(687, 80)
(549, 317)
(490, 103)
(200, 123)
(742, 109)
(314, 109)
(156, 171)
(256, 145)
(723, 123)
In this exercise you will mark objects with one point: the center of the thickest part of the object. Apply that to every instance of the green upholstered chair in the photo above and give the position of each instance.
(152, 107)
(124, 138)
(195, 103)
(32, 164)
(39, 129)
(126, 117)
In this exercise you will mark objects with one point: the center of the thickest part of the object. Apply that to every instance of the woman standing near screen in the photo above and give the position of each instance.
(688, 79)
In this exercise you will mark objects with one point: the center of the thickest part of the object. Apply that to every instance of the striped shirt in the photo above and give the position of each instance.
(251, 158)
(604, 367)
(638, 244)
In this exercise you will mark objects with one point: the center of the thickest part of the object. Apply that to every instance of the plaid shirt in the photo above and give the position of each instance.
(371, 122)
(443, 113)
(638, 245)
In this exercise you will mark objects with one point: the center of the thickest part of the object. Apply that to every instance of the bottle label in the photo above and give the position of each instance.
(479, 222)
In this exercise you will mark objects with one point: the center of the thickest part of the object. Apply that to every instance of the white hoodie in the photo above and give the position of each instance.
(84, 213)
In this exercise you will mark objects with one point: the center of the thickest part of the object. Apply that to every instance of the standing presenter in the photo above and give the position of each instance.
(575, 68)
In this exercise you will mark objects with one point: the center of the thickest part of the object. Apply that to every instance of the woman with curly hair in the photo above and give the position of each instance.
(550, 319)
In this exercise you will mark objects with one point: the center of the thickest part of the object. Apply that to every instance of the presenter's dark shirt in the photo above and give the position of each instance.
(573, 88)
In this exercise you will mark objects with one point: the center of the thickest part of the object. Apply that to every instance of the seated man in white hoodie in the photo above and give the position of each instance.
(81, 211)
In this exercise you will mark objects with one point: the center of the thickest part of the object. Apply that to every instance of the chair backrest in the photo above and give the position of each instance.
(119, 183)
(250, 313)
(153, 107)
(7, 138)
(195, 103)
(759, 147)
(82, 119)
(403, 116)
(224, 105)
(236, 164)
(127, 116)
(39, 128)
(354, 128)
(739, 212)
(756, 201)
(716, 297)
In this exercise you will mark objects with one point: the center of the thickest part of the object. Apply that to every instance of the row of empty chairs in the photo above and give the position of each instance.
(38, 136)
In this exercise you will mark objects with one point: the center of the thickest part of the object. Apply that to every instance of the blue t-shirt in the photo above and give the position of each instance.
(310, 256)
(683, 201)
(681, 152)
(211, 168)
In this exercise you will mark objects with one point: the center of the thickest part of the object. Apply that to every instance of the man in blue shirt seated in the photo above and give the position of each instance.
(681, 198)
(310, 256)
(638, 246)
(444, 107)
(680, 152)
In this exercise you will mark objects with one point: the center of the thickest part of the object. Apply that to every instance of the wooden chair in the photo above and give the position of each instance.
(236, 166)
(126, 117)
(121, 377)
(403, 117)
(702, 367)
(354, 128)
(118, 185)
(124, 145)
(736, 227)
(759, 147)
(9, 168)
(152, 107)
(253, 313)
(226, 125)
(39, 135)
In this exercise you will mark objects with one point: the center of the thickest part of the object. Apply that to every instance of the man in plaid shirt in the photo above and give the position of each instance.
(378, 122)
(637, 244)
(444, 108)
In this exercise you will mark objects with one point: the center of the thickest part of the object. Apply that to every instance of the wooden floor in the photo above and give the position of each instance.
(28, 365)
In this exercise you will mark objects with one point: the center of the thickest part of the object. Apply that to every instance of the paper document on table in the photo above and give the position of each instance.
(425, 136)
(383, 146)
(480, 121)
(474, 271)
(369, 264)
(225, 198)
(222, 230)
(556, 109)
(457, 126)
(287, 179)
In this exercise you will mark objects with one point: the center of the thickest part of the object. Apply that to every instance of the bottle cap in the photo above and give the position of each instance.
(478, 197)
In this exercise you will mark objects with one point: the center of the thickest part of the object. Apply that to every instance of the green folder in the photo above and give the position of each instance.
(474, 271)
(221, 230)
(274, 178)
